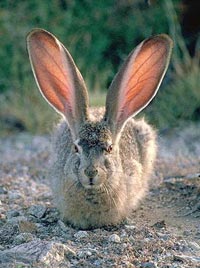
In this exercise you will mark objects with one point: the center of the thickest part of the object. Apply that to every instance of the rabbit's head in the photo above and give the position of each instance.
(93, 155)
(94, 151)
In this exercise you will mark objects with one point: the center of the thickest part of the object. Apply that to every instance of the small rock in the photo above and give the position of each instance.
(68, 252)
(62, 226)
(130, 227)
(51, 215)
(159, 224)
(131, 239)
(12, 213)
(23, 238)
(187, 232)
(3, 190)
(37, 211)
(8, 232)
(84, 254)
(162, 236)
(129, 264)
(16, 220)
(13, 195)
(148, 265)
(37, 254)
(81, 234)
(114, 238)
(123, 234)
(97, 263)
(194, 246)
(192, 259)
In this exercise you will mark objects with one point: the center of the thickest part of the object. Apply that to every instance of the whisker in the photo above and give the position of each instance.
(108, 195)
(71, 186)
(109, 188)
(119, 198)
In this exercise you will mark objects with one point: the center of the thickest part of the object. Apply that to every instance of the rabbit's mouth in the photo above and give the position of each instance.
(91, 182)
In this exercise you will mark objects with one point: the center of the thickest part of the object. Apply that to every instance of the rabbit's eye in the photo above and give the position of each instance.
(76, 150)
(109, 149)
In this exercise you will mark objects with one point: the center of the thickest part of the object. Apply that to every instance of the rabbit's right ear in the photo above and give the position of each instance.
(58, 78)
(138, 81)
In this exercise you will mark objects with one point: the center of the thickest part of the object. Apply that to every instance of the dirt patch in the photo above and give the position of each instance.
(163, 232)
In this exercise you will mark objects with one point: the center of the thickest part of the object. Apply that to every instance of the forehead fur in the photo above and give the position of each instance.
(94, 134)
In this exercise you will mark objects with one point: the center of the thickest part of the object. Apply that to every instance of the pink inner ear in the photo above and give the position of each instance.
(142, 77)
(52, 71)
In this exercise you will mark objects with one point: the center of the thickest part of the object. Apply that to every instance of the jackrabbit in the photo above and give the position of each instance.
(102, 165)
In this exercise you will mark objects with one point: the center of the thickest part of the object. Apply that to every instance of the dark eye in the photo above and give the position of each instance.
(76, 150)
(109, 149)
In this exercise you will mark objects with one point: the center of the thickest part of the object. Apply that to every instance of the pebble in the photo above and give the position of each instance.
(23, 238)
(84, 254)
(148, 265)
(12, 213)
(51, 215)
(131, 239)
(97, 263)
(69, 253)
(194, 246)
(62, 226)
(3, 190)
(13, 195)
(129, 264)
(162, 236)
(159, 224)
(187, 233)
(182, 257)
(81, 234)
(130, 227)
(114, 238)
(16, 220)
(123, 234)
(37, 211)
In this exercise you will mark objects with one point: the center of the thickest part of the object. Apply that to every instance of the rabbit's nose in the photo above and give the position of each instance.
(91, 172)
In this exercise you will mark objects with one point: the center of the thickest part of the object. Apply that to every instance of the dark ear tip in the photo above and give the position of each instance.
(36, 32)
(166, 38)
(162, 38)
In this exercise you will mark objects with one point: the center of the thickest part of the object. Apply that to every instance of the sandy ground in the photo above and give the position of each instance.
(163, 232)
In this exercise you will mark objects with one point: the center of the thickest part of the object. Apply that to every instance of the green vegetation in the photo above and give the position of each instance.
(178, 101)
(99, 35)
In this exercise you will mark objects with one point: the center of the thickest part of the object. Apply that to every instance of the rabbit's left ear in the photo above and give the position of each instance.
(58, 78)
(138, 80)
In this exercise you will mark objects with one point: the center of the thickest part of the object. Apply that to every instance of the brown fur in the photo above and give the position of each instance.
(133, 163)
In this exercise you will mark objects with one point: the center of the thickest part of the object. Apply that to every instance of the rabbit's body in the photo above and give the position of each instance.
(120, 193)
(102, 165)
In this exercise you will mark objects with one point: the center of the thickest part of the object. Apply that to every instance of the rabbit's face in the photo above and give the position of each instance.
(96, 159)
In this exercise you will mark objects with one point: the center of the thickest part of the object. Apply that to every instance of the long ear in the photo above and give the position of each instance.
(58, 78)
(138, 80)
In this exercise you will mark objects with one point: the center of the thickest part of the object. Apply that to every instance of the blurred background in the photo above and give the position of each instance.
(99, 36)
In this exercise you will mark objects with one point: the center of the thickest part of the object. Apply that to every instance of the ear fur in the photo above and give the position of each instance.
(58, 78)
(138, 80)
